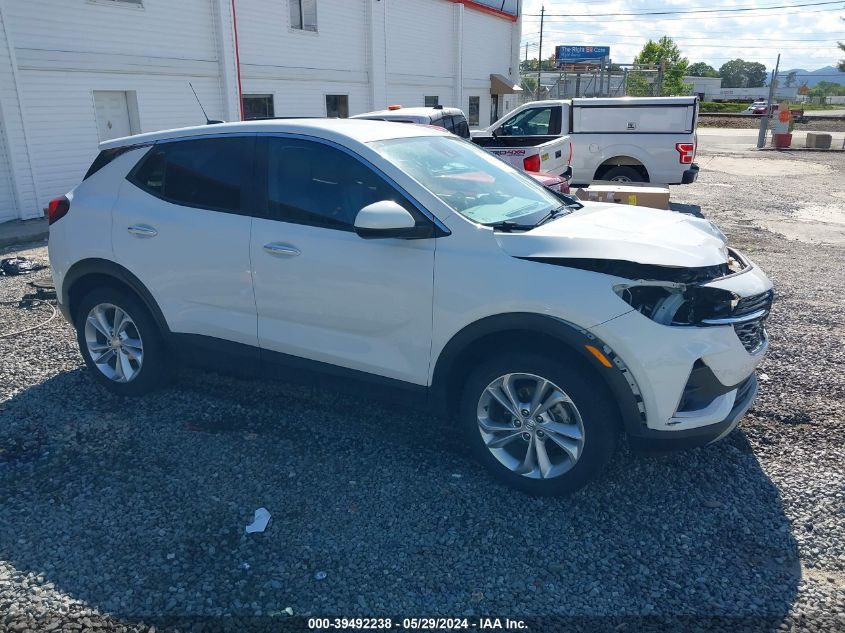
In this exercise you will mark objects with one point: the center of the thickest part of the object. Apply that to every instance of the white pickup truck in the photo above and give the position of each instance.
(628, 139)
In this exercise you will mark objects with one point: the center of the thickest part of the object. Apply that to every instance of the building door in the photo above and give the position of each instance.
(494, 109)
(7, 200)
(112, 114)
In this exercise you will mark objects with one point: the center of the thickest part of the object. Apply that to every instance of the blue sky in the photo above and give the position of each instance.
(712, 38)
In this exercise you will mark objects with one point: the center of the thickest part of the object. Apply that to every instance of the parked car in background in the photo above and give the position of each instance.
(450, 119)
(759, 108)
(544, 327)
(649, 139)
(454, 120)
(551, 181)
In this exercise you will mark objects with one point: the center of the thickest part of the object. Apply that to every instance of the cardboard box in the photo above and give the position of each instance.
(644, 195)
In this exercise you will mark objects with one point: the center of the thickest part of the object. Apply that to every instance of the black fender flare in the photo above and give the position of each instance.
(617, 378)
(103, 267)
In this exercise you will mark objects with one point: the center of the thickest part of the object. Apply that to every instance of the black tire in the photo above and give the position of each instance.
(624, 174)
(154, 369)
(594, 403)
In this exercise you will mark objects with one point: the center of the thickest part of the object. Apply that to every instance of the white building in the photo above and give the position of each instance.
(76, 72)
(707, 88)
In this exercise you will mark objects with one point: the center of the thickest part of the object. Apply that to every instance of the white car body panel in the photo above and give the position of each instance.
(360, 304)
(613, 231)
(196, 268)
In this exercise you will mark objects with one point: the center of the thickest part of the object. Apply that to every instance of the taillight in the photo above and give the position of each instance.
(686, 151)
(569, 162)
(531, 163)
(57, 209)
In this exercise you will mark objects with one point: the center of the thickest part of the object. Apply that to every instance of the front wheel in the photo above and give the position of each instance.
(538, 425)
(120, 342)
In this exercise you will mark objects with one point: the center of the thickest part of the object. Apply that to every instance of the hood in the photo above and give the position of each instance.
(611, 231)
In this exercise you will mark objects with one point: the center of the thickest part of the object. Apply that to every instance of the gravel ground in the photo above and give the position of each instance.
(754, 122)
(117, 514)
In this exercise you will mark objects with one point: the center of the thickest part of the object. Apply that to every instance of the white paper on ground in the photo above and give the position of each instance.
(262, 518)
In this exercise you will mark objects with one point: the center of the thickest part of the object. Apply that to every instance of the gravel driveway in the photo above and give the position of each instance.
(119, 513)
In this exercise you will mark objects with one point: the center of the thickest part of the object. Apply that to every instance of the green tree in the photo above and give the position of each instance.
(700, 69)
(791, 79)
(529, 84)
(739, 73)
(664, 51)
(827, 89)
(841, 64)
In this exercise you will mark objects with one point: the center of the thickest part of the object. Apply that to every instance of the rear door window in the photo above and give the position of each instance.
(207, 173)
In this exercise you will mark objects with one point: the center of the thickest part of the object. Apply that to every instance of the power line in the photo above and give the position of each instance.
(719, 10)
(644, 17)
(685, 37)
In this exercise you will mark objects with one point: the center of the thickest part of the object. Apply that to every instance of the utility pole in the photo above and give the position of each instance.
(540, 54)
(660, 70)
(764, 122)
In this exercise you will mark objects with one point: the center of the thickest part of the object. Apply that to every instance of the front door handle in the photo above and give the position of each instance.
(142, 230)
(281, 250)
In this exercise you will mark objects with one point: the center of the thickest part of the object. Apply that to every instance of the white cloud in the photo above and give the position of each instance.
(702, 37)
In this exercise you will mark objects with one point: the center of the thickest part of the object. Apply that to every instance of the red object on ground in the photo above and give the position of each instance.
(782, 140)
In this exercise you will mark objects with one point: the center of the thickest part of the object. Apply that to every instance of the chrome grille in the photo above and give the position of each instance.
(752, 334)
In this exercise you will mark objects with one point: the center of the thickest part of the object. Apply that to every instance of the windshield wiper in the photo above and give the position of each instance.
(508, 226)
(564, 209)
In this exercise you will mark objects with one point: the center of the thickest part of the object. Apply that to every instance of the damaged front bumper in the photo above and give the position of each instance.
(695, 381)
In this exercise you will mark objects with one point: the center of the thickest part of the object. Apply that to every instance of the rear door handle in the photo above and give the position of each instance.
(281, 250)
(142, 230)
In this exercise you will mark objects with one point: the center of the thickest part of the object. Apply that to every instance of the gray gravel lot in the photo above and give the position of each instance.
(117, 512)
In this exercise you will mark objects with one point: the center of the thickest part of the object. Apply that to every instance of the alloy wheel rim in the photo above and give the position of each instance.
(530, 425)
(114, 343)
(621, 179)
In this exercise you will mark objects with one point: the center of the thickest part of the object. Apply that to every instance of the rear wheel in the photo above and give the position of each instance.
(538, 425)
(120, 342)
(622, 173)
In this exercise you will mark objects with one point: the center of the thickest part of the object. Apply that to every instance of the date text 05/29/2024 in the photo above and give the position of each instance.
(421, 624)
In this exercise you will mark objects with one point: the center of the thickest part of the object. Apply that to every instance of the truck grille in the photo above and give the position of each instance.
(752, 334)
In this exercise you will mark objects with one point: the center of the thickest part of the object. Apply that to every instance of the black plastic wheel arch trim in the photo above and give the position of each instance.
(95, 266)
(618, 379)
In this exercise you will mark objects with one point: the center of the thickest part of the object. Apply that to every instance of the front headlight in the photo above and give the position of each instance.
(676, 304)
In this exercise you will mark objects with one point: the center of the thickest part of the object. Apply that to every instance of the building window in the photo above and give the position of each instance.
(258, 107)
(432, 101)
(303, 15)
(474, 108)
(337, 106)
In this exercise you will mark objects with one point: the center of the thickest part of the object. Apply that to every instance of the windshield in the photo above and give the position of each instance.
(474, 183)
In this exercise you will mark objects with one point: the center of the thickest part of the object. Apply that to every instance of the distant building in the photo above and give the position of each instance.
(707, 88)
(73, 74)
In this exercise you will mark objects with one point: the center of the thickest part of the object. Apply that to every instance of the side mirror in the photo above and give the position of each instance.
(388, 219)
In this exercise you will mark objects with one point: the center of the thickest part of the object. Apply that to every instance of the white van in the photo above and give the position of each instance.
(629, 139)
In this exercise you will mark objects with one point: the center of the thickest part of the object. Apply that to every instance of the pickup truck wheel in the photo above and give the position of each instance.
(538, 425)
(623, 174)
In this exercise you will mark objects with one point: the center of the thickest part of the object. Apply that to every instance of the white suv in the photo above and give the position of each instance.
(404, 260)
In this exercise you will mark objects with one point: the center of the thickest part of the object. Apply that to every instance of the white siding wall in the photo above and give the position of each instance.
(63, 51)
(8, 209)
(14, 146)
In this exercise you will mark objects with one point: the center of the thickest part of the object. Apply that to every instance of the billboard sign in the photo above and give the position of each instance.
(580, 54)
